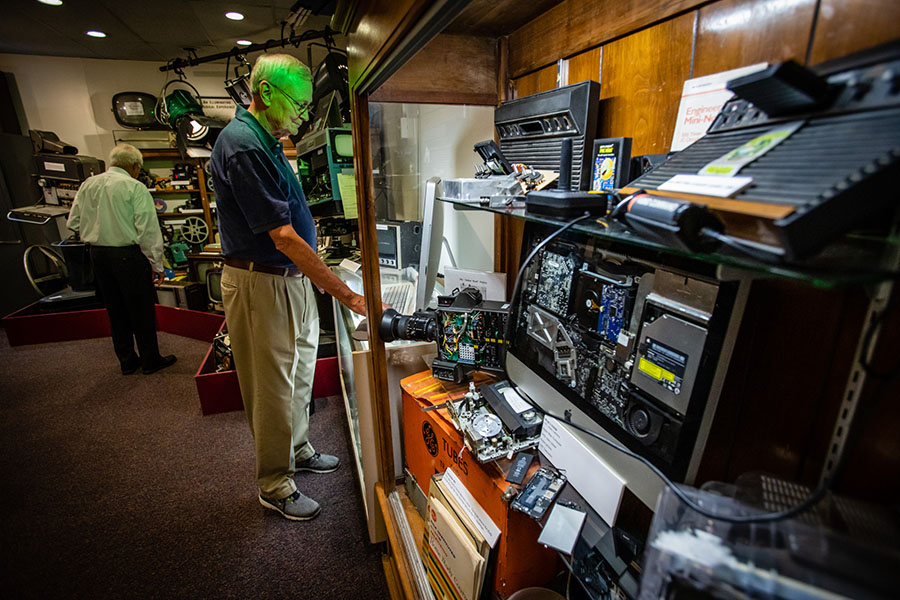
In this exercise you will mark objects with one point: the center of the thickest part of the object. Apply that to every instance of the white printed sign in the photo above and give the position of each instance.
(701, 100)
(706, 185)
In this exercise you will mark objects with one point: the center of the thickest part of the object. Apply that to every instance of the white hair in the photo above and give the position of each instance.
(277, 68)
(125, 156)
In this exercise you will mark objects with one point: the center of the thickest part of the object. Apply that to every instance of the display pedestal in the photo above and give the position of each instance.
(432, 444)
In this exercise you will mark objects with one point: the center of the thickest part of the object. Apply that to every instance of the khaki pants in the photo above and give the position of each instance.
(273, 324)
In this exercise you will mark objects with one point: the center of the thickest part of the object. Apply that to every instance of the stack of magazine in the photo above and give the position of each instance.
(458, 539)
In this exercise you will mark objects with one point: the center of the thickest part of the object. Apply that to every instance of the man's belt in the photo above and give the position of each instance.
(249, 265)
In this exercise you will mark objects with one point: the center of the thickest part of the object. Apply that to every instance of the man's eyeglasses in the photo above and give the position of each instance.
(305, 107)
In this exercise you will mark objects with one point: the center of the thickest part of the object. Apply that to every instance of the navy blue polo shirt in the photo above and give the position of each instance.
(256, 191)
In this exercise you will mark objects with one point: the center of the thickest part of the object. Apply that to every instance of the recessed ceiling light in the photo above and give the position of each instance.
(96, 34)
(234, 16)
(51, 2)
(244, 42)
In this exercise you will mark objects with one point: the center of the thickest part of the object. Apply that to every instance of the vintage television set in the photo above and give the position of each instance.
(322, 156)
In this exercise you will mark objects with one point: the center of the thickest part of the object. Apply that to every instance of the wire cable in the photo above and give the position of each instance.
(771, 257)
(514, 298)
(810, 501)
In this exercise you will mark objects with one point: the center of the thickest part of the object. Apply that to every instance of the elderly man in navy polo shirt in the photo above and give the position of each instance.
(269, 240)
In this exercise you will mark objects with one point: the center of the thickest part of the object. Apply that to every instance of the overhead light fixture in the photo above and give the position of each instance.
(51, 2)
(96, 34)
(234, 16)
(244, 42)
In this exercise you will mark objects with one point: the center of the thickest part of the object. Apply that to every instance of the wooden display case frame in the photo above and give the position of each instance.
(567, 41)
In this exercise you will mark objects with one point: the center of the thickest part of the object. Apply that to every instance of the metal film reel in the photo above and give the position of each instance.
(195, 230)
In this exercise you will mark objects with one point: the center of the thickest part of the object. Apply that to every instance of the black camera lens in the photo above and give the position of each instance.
(418, 326)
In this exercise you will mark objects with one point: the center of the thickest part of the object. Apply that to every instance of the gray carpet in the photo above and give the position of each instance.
(116, 487)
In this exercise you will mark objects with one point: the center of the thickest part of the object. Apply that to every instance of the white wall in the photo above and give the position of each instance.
(447, 135)
(72, 97)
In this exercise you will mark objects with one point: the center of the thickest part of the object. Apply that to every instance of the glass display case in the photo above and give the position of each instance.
(404, 358)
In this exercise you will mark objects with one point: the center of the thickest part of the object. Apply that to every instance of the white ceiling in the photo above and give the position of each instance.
(152, 30)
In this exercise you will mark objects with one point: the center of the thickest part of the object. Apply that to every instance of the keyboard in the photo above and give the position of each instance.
(401, 296)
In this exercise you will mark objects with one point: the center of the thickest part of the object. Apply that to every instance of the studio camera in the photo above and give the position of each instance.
(469, 332)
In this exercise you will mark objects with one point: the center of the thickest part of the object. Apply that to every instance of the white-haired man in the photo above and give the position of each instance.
(115, 216)
(269, 240)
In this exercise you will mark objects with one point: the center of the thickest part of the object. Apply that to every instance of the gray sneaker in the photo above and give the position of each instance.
(319, 463)
(295, 507)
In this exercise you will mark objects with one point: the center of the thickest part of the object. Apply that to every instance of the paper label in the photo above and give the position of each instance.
(491, 285)
(349, 265)
(604, 178)
(133, 109)
(347, 187)
(515, 401)
(707, 185)
(701, 100)
(596, 481)
(734, 161)
(480, 518)
(51, 166)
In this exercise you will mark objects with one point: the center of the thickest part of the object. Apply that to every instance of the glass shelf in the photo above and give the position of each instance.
(854, 259)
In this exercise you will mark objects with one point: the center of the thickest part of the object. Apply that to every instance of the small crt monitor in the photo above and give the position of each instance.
(214, 285)
(343, 145)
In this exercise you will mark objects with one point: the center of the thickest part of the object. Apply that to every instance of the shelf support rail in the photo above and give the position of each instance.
(857, 378)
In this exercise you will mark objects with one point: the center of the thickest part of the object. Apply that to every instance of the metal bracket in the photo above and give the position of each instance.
(857, 378)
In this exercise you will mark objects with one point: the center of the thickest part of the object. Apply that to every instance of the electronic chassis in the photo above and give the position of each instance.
(495, 420)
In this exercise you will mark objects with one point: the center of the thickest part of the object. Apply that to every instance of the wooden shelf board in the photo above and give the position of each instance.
(172, 153)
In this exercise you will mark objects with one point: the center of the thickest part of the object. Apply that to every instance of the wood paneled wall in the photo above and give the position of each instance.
(649, 49)
(575, 25)
(642, 80)
(846, 26)
(451, 69)
(733, 33)
(375, 28)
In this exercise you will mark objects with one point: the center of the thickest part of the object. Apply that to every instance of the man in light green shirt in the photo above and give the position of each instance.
(115, 216)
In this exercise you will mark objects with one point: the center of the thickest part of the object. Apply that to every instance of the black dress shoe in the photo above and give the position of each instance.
(129, 368)
(164, 361)
(130, 365)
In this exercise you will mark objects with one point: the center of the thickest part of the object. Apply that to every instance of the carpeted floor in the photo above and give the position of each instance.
(116, 487)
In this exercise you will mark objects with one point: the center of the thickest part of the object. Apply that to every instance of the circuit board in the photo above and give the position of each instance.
(607, 395)
(611, 335)
(555, 283)
(612, 312)
(458, 343)
(472, 337)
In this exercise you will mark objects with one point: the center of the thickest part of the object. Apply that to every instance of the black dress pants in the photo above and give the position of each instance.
(124, 281)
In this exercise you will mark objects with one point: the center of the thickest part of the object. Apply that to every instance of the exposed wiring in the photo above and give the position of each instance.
(515, 293)
(811, 500)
